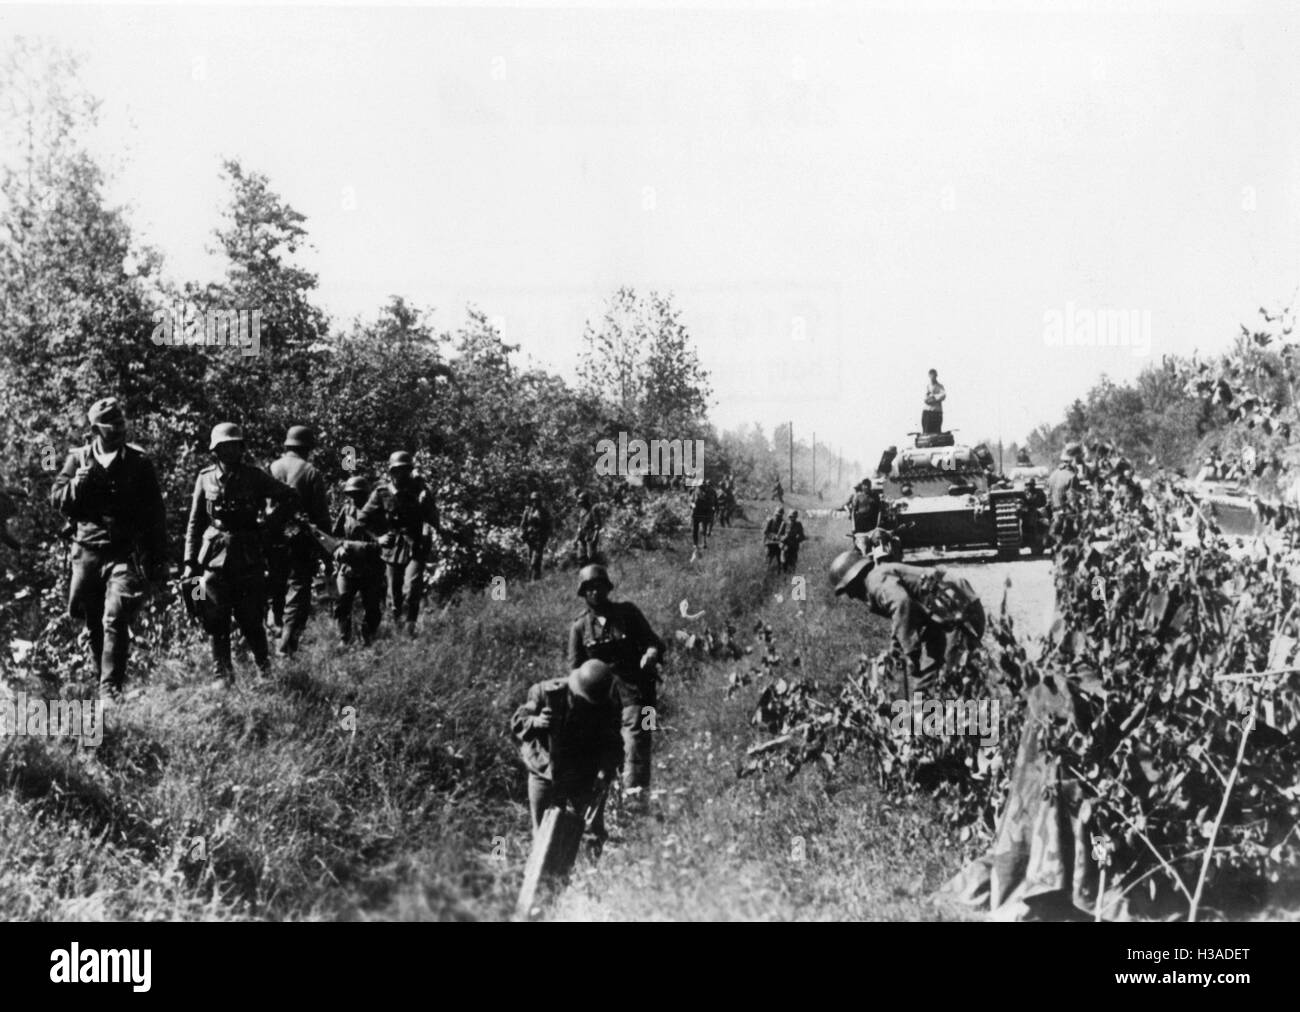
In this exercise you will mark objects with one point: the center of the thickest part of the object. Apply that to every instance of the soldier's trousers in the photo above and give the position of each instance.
(586, 549)
(277, 577)
(773, 555)
(634, 698)
(535, 550)
(789, 558)
(406, 585)
(700, 528)
(105, 593)
(241, 597)
(370, 587)
(299, 567)
(577, 787)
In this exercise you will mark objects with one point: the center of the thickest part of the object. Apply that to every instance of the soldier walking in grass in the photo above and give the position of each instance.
(616, 633)
(292, 559)
(108, 490)
(703, 504)
(360, 570)
(587, 539)
(790, 537)
(403, 512)
(535, 530)
(771, 538)
(223, 545)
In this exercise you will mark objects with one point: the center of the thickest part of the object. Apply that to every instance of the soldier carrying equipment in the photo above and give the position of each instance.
(109, 492)
(355, 551)
(771, 538)
(616, 633)
(223, 545)
(291, 560)
(587, 539)
(402, 512)
(535, 530)
(790, 537)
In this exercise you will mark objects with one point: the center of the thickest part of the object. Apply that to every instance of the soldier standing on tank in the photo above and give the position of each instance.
(771, 538)
(790, 537)
(587, 539)
(535, 529)
(291, 560)
(402, 510)
(617, 633)
(223, 545)
(109, 491)
(359, 572)
(932, 413)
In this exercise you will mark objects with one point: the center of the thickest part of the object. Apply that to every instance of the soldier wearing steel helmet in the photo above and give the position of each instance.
(1063, 491)
(935, 616)
(292, 559)
(109, 492)
(616, 633)
(535, 530)
(403, 511)
(586, 541)
(568, 735)
(223, 544)
(359, 573)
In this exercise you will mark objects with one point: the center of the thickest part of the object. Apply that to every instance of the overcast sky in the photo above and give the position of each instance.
(840, 197)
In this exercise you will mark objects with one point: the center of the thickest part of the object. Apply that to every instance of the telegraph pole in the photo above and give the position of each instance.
(814, 481)
(792, 457)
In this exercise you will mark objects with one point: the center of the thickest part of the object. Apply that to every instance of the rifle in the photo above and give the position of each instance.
(355, 553)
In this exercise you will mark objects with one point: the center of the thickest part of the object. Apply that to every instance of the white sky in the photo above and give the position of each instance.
(919, 185)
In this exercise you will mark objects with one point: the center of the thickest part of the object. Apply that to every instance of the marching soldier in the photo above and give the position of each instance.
(778, 492)
(1032, 510)
(771, 538)
(291, 561)
(932, 611)
(223, 545)
(589, 527)
(535, 529)
(864, 507)
(726, 501)
(790, 537)
(617, 633)
(568, 735)
(109, 492)
(400, 511)
(359, 572)
(703, 503)
(1063, 489)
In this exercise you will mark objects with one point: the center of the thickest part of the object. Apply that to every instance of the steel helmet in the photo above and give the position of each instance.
(587, 681)
(355, 484)
(399, 459)
(226, 432)
(593, 574)
(846, 568)
(300, 437)
(535, 497)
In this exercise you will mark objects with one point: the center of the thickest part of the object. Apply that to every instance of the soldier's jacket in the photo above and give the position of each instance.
(865, 508)
(350, 526)
(588, 522)
(773, 527)
(403, 512)
(619, 637)
(901, 593)
(1061, 486)
(704, 502)
(535, 523)
(224, 530)
(303, 478)
(580, 732)
(118, 507)
(791, 532)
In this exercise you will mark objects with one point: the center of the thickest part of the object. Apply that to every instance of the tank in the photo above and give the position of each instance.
(942, 494)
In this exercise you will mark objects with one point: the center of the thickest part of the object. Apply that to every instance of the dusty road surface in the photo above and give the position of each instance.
(1027, 584)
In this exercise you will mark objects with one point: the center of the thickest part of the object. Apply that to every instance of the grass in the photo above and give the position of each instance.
(382, 784)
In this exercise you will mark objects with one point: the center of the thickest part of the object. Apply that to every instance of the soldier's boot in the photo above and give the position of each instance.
(223, 667)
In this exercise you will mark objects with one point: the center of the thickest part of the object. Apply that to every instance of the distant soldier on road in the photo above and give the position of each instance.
(109, 492)
(778, 492)
(403, 512)
(617, 633)
(935, 615)
(586, 541)
(223, 545)
(791, 536)
(292, 560)
(535, 530)
(359, 572)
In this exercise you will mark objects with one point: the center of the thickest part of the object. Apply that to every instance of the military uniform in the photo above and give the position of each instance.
(403, 516)
(703, 503)
(564, 759)
(620, 636)
(1062, 489)
(771, 539)
(904, 594)
(535, 528)
(587, 539)
(790, 537)
(120, 539)
(292, 560)
(223, 540)
(359, 572)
